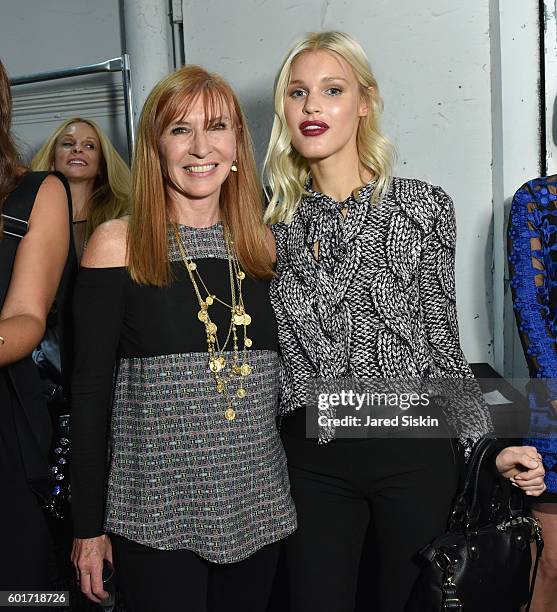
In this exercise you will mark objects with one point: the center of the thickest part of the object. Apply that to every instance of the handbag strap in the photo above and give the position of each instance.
(467, 505)
(539, 549)
(515, 498)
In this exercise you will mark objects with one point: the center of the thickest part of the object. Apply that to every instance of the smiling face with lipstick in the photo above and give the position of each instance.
(199, 150)
(78, 153)
(323, 106)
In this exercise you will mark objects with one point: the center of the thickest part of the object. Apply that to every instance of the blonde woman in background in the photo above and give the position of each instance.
(364, 288)
(99, 178)
(99, 182)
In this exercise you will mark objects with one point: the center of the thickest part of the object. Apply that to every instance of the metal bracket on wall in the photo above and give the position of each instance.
(548, 85)
(177, 21)
(117, 64)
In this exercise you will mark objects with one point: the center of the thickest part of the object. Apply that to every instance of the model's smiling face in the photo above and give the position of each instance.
(323, 105)
(199, 151)
(78, 154)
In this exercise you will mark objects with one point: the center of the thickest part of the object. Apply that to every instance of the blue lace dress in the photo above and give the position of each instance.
(532, 236)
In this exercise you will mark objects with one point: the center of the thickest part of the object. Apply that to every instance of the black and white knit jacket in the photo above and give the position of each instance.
(380, 300)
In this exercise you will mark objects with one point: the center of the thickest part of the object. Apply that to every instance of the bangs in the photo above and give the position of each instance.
(217, 103)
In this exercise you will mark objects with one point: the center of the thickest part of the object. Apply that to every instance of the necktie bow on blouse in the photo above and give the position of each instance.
(329, 227)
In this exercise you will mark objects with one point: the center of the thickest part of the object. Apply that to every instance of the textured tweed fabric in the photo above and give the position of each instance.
(378, 302)
(181, 475)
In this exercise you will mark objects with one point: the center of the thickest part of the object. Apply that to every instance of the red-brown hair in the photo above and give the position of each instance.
(11, 169)
(241, 203)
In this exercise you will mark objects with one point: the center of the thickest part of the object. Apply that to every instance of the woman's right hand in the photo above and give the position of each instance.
(88, 556)
(523, 466)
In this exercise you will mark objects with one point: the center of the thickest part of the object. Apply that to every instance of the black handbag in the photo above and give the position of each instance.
(480, 566)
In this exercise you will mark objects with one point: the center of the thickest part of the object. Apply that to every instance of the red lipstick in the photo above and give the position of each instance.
(313, 128)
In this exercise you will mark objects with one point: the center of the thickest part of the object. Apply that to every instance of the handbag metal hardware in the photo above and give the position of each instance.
(521, 520)
(447, 561)
(451, 603)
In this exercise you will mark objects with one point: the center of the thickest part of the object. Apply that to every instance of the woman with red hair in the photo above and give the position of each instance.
(176, 299)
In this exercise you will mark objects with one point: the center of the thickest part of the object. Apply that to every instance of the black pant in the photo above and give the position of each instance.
(404, 487)
(155, 580)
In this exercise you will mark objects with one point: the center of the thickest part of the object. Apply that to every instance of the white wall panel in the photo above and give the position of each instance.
(433, 62)
(517, 155)
(43, 35)
(459, 79)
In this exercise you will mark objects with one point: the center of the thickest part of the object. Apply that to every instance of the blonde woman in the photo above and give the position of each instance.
(364, 288)
(176, 298)
(99, 178)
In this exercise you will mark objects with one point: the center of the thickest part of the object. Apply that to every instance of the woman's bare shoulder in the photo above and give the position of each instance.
(51, 204)
(107, 246)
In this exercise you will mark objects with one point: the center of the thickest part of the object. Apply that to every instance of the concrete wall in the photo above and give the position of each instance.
(40, 36)
(459, 80)
(517, 156)
(433, 62)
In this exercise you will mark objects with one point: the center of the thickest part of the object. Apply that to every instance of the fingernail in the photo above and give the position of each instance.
(514, 484)
(528, 493)
(533, 463)
(517, 478)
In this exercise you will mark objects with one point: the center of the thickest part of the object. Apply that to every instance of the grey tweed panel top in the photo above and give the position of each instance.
(181, 476)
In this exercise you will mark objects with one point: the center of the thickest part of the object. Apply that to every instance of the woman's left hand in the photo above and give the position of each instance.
(523, 466)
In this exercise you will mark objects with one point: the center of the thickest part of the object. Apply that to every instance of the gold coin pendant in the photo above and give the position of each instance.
(216, 365)
(230, 414)
(241, 393)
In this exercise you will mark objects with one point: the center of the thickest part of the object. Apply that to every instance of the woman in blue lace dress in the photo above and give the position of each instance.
(533, 271)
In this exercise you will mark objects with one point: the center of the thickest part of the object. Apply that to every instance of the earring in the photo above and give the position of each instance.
(234, 166)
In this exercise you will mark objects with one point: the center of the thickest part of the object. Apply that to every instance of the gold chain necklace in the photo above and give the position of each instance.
(238, 318)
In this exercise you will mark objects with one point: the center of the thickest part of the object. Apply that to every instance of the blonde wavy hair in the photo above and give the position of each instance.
(285, 171)
(111, 192)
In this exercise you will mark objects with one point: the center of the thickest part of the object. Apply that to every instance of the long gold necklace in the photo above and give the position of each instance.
(238, 318)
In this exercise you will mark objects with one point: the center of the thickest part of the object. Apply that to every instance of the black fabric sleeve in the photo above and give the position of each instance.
(98, 308)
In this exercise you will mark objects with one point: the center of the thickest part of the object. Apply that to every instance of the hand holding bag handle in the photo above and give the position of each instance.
(479, 568)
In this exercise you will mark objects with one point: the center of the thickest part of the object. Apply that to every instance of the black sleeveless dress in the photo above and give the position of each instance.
(25, 428)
